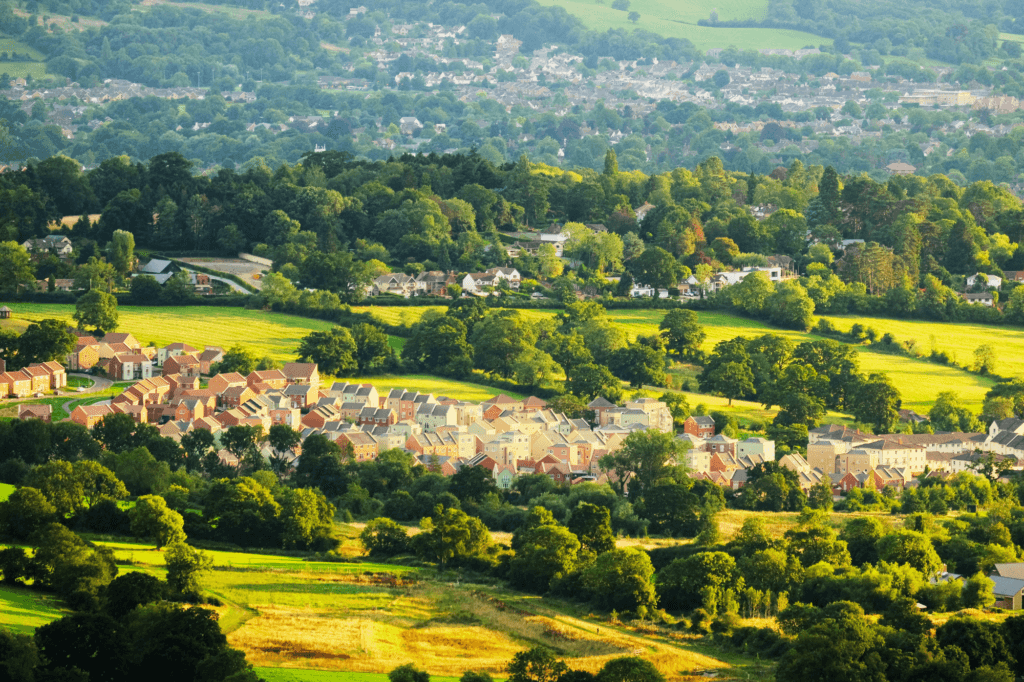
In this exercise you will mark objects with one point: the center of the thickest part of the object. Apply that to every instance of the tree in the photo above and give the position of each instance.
(15, 268)
(145, 289)
(640, 364)
(440, 345)
(644, 457)
(408, 673)
(699, 580)
(97, 310)
(731, 380)
(500, 339)
(385, 538)
(839, 645)
(620, 579)
(121, 252)
(536, 665)
(25, 512)
(980, 640)
(334, 351)
(450, 535)
(373, 349)
(236, 359)
(984, 359)
(684, 335)
(949, 414)
(152, 519)
(629, 669)
(862, 536)
(909, 547)
(471, 483)
(244, 443)
(307, 519)
(72, 488)
(543, 554)
(820, 495)
(185, 568)
(198, 446)
(633, 16)
(129, 591)
(43, 341)
(283, 439)
(876, 401)
(655, 267)
(91, 644)
(592, 525)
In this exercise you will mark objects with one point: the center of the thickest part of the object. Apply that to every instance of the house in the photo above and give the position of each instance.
(161, 270)
(209, 356)
(90, 415)
(396, 283)
(701, 426)
(642, 211)
(186, 364)
(301, 395)
(434, 282)
(130, 367)
(303, 373)
(111, 339)
(18, 385)
(172, 349)
(409, 125)
(993, 281)
(900, 168)
(39, 378)
(986, 299)
(274, 378)
(1007, 592)
(58, 375)
(43, 412)
(5, 313)
(54, 243)
(84, 357)
(224, 381)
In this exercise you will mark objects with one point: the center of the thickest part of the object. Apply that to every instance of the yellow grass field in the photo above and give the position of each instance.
(370, 618)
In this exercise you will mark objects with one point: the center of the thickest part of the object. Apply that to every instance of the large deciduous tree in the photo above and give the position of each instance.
(96, 310)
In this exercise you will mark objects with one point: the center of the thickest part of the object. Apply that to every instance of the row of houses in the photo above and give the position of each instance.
(35, 379)
(436, 283)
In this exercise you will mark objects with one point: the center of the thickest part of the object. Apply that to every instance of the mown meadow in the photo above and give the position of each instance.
(279, 334)
(679, 20)
(360, 620)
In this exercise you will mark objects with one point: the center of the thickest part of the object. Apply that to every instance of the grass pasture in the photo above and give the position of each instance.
(228, 10)
(918, 380)
(351, 622)
(679, 20)
(23, 610)
(5, 491)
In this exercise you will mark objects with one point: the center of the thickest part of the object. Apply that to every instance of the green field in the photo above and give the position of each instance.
(23, 610)
(278, 335)
(425, 383)
(22, 69)
(9, 45)
(298, 675)
(5, 491)
(918, 380)
(679, 20)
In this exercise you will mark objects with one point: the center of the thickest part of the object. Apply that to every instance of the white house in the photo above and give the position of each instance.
(994, 281)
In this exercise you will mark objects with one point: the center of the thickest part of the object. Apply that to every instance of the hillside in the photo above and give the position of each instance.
(918, 380)
(679, 20)
(286, 612)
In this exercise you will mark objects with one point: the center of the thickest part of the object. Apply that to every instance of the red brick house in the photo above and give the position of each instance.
(700, 426)
(274, 378)
(185, 364)
(302, 373)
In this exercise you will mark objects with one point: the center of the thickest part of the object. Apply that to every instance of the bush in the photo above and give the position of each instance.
(700, 621)
(725, 623)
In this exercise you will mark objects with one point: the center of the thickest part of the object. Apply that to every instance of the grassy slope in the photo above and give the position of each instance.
(278, 335)
(678, 20)
(344, 617)
(919, 381)
(23, 610)
(274, 334)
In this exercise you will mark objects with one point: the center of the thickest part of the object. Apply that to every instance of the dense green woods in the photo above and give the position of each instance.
(333, 223)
